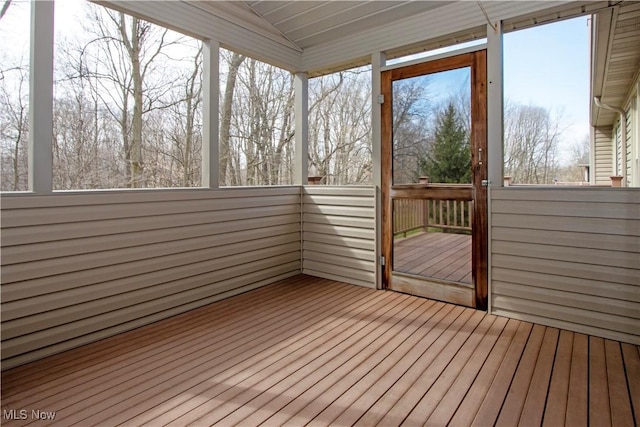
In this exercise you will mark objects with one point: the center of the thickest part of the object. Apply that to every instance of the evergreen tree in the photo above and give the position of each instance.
(449, 160)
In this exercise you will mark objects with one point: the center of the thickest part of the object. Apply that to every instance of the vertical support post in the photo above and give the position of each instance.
(301, 88)
(210, 111)
(495, 132)
(378, 60)
(495, 108)
(592, 156)
(41, 97)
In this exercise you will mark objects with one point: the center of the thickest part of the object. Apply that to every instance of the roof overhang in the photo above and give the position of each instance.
(615, 59)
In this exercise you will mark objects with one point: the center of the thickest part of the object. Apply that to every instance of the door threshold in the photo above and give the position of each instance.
(452, 292)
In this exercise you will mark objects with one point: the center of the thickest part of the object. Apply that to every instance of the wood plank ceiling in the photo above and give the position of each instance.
(301, 24)
(310, 23)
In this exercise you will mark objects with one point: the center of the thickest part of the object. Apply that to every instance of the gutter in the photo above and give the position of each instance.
(623, 135)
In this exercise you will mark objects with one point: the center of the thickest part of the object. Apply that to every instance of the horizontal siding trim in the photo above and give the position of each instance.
(613, 242)
(326, 275)
(628, 260)
(183, 251)
(585, 225)
(107, 273)
(623, 292)
(568, 269)
(346, 272)
(343, 251)
(80, 213)
(539, 311)
(48, 232)
(338, 260)
(47, 297)
(346, 191)
(339, 200)
(62, 248)
(27, 200)
(559, 194)
(367, 223)
(335, 240)
(349, 211)
(555, 322)
(569, 299)
(559, 208)
(342, 231)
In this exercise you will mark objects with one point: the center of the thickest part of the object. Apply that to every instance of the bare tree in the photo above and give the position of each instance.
(129, 52)
(412, 137)
(340, 127)
(261, 126)
(14, 128)
(228, 174)
(531, 138)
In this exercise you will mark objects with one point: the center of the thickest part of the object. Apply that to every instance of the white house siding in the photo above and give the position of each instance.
(626, 145)
(604, 155)
(632, 143)
(568, 258)
(80, 267)
(339, 234)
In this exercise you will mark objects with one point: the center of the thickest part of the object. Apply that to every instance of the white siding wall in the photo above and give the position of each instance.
(80, 267)
(339, 234)
(604, 155)
(568, 258)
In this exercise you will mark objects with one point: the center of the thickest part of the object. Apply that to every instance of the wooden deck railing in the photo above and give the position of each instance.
(421, 214)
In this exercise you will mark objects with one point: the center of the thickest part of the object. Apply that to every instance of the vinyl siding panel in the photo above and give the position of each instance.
(628, 143)
(83, 266)
(604, 155)
(568, 258)
(339, 234)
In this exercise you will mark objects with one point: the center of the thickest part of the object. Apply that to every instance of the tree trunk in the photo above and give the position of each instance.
(225, 121)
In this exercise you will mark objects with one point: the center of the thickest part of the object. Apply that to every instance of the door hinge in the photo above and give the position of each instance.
(381, 99)
(382, 260)
(485, 182)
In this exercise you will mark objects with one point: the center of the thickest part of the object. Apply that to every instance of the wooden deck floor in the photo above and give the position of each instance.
(316, 352)
(443, 256)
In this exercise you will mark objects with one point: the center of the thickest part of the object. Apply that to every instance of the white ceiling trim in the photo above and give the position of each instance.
(450, 54)
(239, 13)
(450, 19)
(601, 46)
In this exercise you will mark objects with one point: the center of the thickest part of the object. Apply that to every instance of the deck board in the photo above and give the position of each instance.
(318, 352)
(599, 408)
(556, 409)
(577, 399)
(443, 256)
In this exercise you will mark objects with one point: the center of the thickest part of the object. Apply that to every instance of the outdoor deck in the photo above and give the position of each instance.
(309, 350)
(443, 256)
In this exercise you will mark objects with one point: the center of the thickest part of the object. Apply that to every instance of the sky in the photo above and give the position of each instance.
(546, 65)
(549, 66)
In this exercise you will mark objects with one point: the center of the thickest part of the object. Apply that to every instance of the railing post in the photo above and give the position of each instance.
(425, 215)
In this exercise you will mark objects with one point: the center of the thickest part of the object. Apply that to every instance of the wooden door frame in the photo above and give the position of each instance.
(477, 61)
